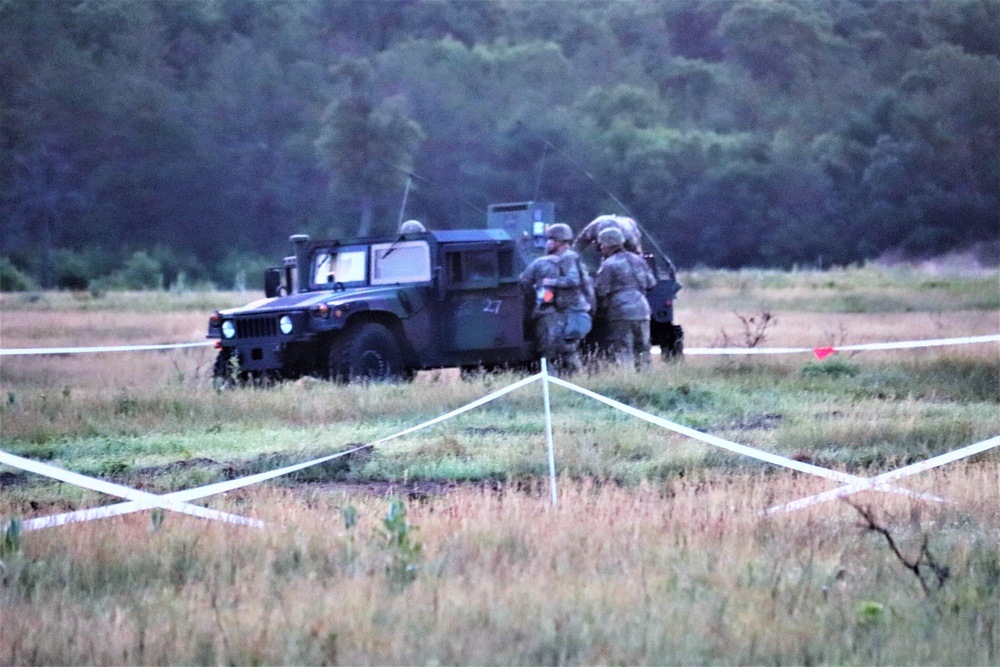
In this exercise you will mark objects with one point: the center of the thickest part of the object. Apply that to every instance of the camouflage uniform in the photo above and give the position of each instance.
(557, 285)
(621, 286)
(627, 226)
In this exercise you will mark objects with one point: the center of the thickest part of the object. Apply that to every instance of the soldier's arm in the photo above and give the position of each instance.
(585, 237)
(604, 283)
(527, 278)
(648, 279)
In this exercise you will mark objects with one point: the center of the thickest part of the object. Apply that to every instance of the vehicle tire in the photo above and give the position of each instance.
(366, 353)
(675, 348)
(224, 375)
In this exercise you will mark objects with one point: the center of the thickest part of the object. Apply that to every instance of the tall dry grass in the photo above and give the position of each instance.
(685, 572)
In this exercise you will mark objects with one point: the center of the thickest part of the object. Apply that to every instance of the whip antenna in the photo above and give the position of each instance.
(410, 175)
(645, 233)
(406, 193)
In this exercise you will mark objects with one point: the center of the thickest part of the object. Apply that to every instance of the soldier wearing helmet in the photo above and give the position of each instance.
(562, 295)
(412, 227)
(621, 285)
(627, 226)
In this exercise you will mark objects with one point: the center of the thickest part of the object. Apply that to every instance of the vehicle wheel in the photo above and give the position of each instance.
(225, 374)
(675, 349)
(367, 353)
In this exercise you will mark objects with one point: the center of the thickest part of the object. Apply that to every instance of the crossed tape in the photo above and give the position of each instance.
(178, 501)
(873, 482)
(141, 499)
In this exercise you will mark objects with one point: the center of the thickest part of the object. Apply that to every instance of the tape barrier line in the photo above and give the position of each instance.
(9, 352)
(142, 499)
(694, 351)
(822, 352)
(751, 452)
(710, 351)
(906, 471)
(176, 496)
(465, 408)
(231, 485)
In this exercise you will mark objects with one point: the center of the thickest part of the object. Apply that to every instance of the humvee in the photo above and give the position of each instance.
(381, 308)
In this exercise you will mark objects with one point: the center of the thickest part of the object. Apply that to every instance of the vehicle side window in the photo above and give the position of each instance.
(401, 262)
(505, 264)
(473, 268)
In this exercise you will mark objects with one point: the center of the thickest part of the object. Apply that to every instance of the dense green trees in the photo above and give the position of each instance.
(202, 133)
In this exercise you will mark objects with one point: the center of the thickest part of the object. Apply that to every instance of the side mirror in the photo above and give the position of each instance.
(272, 282)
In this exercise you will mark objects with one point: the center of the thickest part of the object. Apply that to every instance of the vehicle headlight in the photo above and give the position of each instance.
(228, 329)
(285, 324)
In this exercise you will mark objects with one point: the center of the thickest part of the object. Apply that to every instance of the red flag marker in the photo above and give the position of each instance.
(823, 352)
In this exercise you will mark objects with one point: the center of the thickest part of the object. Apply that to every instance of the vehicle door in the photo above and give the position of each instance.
(483, 306)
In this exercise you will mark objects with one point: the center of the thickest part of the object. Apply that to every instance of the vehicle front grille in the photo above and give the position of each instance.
(256, 327)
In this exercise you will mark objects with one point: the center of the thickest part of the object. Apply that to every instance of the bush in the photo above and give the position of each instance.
(141, 272)
(242, 271)
(13, 279)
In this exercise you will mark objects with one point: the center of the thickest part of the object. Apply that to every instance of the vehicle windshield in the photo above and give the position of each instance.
(341, 265)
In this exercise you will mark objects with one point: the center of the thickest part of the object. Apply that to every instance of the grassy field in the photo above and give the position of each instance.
(443, 546)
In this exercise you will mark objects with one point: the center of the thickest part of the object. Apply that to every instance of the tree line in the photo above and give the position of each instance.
(187, 139)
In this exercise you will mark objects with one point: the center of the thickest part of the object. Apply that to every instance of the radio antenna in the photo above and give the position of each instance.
(541, 170)
(624, 208)
(411, 176)
(406, 194)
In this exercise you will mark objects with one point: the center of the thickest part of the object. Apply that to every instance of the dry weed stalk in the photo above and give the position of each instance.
(923, 566)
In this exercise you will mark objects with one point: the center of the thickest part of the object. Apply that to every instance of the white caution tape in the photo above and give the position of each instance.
(465, 408)
(9, 352)
(232, 485)
(177, 500)
(737, 448)
(142, 499)
(177, 496)
(906, 344)
(822, 352)
(873, 482)
(707, 351)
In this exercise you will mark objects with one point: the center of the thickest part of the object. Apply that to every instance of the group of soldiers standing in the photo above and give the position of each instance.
(568, 302)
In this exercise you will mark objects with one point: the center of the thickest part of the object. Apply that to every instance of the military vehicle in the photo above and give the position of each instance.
(382, 308)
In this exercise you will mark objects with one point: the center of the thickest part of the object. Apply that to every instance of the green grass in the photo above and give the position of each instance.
(842, 412)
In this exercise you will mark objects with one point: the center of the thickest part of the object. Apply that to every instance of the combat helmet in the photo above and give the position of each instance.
(559, 232)
(412, 227)
(611, 237)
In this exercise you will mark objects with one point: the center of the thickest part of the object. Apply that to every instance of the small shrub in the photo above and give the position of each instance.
(831, 368)
(13, 279)
(869, 613)
(141, 272)
(402, 551)
(11, 541)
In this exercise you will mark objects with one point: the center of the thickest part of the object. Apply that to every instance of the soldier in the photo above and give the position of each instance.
(627, 226)
(562, 293)
(621, 286)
